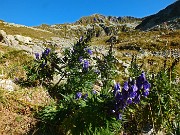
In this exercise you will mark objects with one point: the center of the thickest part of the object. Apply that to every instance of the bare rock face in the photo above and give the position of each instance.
(9, 40)
(171, 12)
(3, 37)
(23, 39)
(7, 84)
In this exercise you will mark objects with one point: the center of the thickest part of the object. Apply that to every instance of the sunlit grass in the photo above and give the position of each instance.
(12, 61)
(18, 107)
(25, 31)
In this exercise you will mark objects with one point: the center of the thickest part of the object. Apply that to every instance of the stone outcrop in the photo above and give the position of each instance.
(168, 14)
(7, 84)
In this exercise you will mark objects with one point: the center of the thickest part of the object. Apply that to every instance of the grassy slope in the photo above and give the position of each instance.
(150, 41)
(25, 31)
(17, 107)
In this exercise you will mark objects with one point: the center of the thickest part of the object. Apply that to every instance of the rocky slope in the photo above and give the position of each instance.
(103, 25)
(166, 18)
(35, 39)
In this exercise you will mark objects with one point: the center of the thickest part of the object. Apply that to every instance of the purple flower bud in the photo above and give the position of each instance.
(47, 51)
(146, 85)
(78, 95)
(85, 96)
(94, 92)
(145, 93)
(89, 51)
(81, 39)
(80, 59)
(129, 101)
(140, 80)
(117, 86)
(95, 19)
(16, 80)
(143, 76)
(137, 99)
(85, 64)
(134, 88)
(132, 94)
(118, 96)
(37, 56)
(126, 87)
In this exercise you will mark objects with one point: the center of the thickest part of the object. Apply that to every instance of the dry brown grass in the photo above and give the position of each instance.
(17, 109)
(12, 61)
(151, 40)
(24, 31)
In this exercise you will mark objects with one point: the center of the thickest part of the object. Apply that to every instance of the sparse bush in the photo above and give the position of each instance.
(90, 102)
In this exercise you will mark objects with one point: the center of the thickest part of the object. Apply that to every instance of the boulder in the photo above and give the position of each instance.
(7, 84)
(23, 39)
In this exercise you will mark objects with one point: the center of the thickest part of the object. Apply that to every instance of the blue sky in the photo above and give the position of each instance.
(36, 12)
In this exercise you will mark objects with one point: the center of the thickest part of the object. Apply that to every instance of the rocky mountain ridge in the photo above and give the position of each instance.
(168, 17)
(156, 43)
(103, 25)
(35, 39)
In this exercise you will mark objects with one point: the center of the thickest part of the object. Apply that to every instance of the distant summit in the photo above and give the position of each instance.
(97, 18)
(168, 16)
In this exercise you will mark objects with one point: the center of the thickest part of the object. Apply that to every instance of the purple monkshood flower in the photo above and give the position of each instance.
(37, 56)
(118, 96)
(117, 86)
(125, 94)
(78, 95)
(132, 94)
(146, 85)
(137, 99)
(145, 93)
(126, 87)
(129, 101)
(141, 80)
(134, 88)
(81, 39)
(80, 59)
(46, 52)
(94, 92)
(85, 96)
(85, 64)
(95, 19)
(143, 76)
(89, 51)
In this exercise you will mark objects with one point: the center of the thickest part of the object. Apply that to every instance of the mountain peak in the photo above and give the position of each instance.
(98, 18)
(170, 13)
